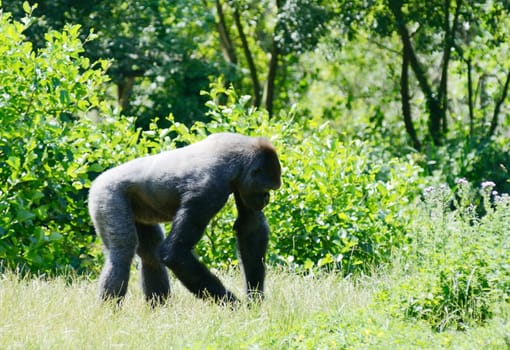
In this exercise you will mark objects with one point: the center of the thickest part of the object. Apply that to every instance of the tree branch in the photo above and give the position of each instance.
(226, 43)
(497, 108)
(249, 58)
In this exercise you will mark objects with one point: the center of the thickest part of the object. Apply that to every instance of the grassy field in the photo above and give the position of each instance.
(300, 312)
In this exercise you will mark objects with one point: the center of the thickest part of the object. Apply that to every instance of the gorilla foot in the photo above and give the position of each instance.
(226, 298)
(156, 300)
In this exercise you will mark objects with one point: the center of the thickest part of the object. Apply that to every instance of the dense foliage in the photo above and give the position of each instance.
(341, 203)
(50, 147)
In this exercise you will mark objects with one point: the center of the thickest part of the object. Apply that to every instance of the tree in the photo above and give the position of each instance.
(154, 47)
(268, 31)
(436, 37)
(163, 53)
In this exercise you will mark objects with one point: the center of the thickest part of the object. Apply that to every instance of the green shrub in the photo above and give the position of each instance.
(341, 205)
(474, 160)
(50, 149)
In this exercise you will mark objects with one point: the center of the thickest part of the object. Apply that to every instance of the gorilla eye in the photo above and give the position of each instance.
(256, 172)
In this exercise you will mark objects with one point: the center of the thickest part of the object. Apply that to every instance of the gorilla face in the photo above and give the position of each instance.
(255, 201)
(262, 176)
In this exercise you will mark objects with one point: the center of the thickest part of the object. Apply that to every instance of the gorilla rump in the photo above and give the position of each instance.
(187, 186)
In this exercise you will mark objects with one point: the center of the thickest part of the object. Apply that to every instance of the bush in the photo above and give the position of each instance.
(341, 205)
(50, 149)
(459, 262)
(474, 160)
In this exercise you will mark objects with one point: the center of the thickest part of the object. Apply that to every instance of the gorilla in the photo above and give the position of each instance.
(186, 186)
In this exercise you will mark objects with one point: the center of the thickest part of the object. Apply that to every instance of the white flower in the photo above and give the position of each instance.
(488, 185)
(461, 181)
(428, 189)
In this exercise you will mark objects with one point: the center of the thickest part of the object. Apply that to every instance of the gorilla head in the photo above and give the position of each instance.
(261, 174)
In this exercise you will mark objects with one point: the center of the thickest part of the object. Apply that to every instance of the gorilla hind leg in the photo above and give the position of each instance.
(113, 221)
(154, 277)
(114, 278)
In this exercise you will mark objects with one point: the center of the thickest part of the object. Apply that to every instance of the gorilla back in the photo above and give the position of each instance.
(187, 186)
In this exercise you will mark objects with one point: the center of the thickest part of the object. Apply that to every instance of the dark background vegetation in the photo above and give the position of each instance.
(368, 103)
(433, 77)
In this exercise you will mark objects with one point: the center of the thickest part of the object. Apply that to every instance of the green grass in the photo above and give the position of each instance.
(300, 312)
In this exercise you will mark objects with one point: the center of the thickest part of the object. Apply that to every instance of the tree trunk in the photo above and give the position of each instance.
(470, 97)
(449, 42)
(436, 112)
(226, 42)
(124, 90)
(249, 58)
(269, 91)
(406, 105)
(271, 79)
(497, 108)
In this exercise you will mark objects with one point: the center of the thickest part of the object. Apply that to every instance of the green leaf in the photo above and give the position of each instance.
(26, 7)
(55, 236)
(64, 97)
(324, 261)
(24, 215)
(95, 167)
(14, 162)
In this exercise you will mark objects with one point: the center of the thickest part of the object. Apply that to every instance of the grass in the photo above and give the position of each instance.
(300, 312)
(452, 276)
